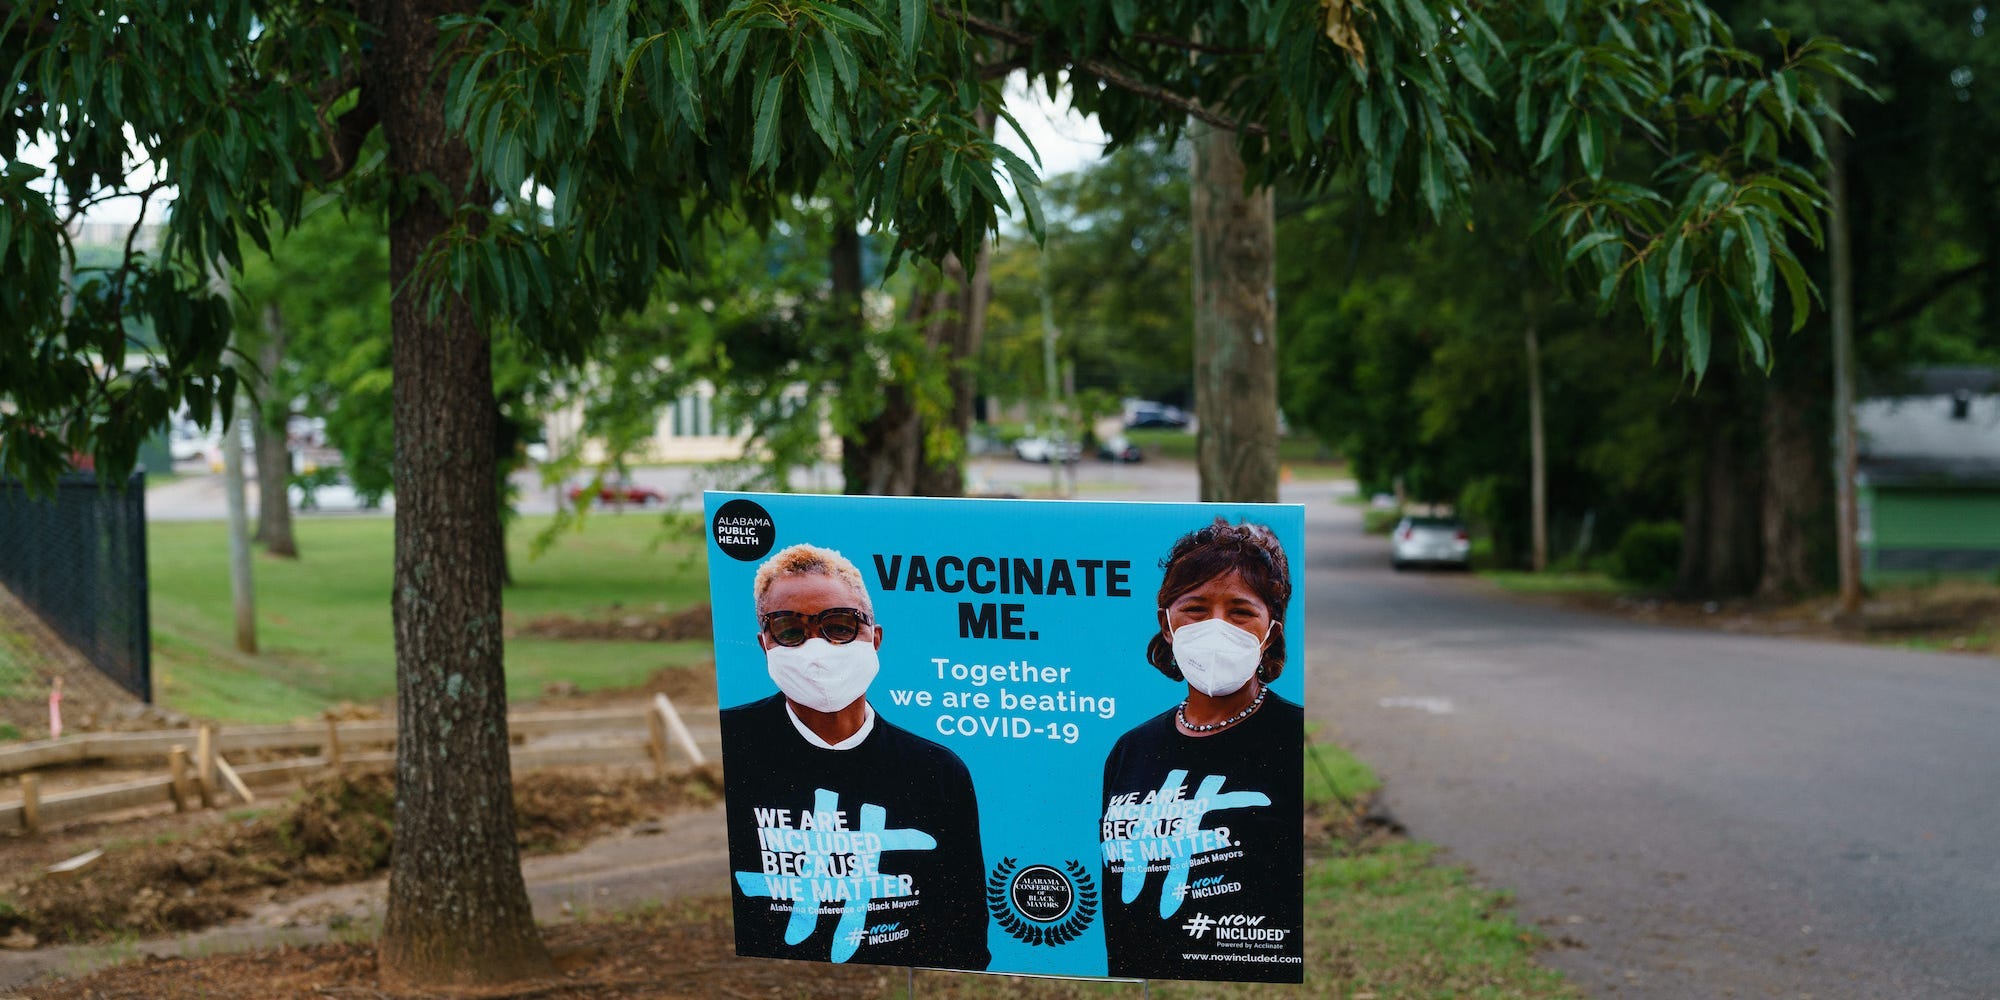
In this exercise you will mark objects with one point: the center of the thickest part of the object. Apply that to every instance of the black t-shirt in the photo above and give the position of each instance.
(1237, 910)
(876, 846)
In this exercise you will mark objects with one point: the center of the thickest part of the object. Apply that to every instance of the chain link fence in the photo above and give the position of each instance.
(78, 560)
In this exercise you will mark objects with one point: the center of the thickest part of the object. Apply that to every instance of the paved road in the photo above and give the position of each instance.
(1707, 815)
(198, 495)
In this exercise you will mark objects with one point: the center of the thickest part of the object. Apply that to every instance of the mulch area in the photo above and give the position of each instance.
(1952, 616)
(180, 875)
(694, 622)
(683, 950)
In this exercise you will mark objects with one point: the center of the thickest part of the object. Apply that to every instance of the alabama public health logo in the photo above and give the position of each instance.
(743, 529)
(1040, 904)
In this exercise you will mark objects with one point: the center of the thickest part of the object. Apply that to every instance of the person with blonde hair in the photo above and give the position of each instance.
(850, 838)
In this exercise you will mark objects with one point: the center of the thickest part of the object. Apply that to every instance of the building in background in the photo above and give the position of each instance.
(1929, 484)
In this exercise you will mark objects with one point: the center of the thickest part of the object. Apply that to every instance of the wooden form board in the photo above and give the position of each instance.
(66, 807)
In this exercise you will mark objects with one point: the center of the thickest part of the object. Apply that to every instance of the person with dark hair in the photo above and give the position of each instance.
(1201, 830)
(850, 838)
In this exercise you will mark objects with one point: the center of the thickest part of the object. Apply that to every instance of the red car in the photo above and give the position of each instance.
(620, 494)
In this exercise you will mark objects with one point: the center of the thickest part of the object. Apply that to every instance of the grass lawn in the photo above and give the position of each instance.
(16, 678)
(1557, 582)
(324, 628)
(1302, 457)
(1384, 921)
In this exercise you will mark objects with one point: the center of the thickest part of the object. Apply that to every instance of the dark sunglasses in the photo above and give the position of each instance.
(839, 626)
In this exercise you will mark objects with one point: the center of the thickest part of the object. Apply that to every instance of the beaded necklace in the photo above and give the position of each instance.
(1180, 714)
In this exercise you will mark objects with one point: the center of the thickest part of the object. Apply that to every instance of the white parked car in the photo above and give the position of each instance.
(1042, 449)
(336, 496)
(1434, 541)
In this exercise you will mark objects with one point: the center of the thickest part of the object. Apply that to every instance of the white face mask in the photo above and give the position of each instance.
(1217, 658)
(822, 676)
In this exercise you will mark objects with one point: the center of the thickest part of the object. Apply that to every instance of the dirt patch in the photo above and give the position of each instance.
(694, 622)
(686, 950)
(1954, 616)
(686, 687)
(338, 829)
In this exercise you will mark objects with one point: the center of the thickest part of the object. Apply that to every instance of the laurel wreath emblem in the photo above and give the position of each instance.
(1080, 916)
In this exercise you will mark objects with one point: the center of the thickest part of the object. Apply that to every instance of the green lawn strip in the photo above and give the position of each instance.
(17, 679)
(1167, 442)
(324, 628)
(1522, 581)
(1383, 920)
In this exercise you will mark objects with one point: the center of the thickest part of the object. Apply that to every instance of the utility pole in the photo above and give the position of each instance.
(1537, 458)
(1840, 247)
(241, 593)
(1050, 375)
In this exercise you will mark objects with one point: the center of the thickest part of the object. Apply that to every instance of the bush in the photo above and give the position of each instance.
(1648, 553)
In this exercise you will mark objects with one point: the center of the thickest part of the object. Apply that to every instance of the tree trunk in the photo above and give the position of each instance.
(1538, 468)
(274, 459)
(1795, 462)
(458, 909)
(888, 455)
(1235, 323)
(1719, 544)
(880, 458)
(962, 328)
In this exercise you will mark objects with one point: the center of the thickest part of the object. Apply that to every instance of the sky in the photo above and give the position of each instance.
(1065, 139)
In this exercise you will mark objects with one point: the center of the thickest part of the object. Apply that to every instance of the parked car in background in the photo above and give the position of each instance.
(1432, 541)
(619, 492)
(1045, 449)
(1146, 413)
(1119, 449)
(335, 495)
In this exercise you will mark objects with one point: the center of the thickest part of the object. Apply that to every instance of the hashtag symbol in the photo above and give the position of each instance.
(1198, 924)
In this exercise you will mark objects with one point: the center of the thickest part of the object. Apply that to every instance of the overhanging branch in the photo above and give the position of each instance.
(344, 135)
(1105, 72)
(1913, 306)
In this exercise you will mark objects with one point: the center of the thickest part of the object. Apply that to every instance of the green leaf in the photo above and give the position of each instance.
(1524, 112)
(1694, 328)
(1468, 65)
(1648, 287)
(848, 18)
(892, 177)
(913, 14)
(1677, 266)
(685, 64)
(1781, 85)
(607, 37)
(1558, 125)
(1430, 175)
(818, 73)
(764, 135)
(1590, 146)
(1758, 246)
(1365, 122)
(1797, 287)
(1427, 26)
(1589, 242)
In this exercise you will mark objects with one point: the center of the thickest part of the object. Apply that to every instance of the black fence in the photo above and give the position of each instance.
(78, 560)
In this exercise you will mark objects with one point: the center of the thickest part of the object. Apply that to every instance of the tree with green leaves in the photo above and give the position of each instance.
(540, 164)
